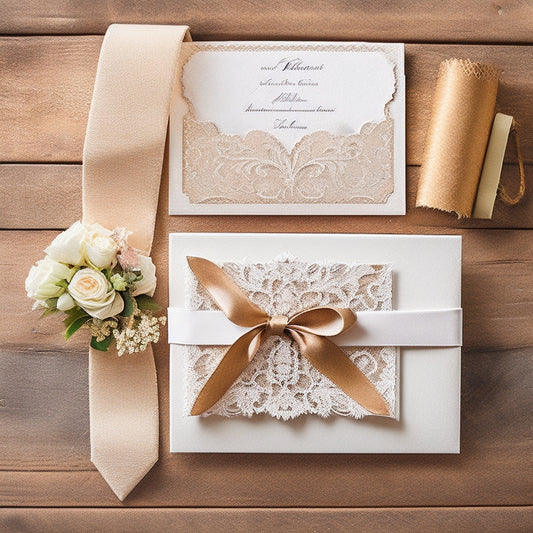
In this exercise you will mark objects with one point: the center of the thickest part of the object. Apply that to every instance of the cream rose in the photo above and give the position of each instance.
(148, 283)
(67, 246)
(92, 292)
(43, 277)
(100, 249)
(65, 302)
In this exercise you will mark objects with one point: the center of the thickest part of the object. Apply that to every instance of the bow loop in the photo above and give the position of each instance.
(226, 293)
(309, 330)
(325, 321)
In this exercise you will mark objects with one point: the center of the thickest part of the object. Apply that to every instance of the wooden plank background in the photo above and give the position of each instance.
(48, 57)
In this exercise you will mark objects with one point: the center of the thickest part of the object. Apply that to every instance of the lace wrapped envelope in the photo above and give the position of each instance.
(283, 380)
(279, 381)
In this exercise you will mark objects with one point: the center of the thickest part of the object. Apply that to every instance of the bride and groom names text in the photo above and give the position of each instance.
(286, 91)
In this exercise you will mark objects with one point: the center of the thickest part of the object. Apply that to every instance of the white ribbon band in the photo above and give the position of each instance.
(442, 327)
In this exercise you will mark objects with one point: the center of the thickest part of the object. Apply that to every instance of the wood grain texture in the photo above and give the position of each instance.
(46, 468)
(411, 20)
(488, 520)
(46, 88)
(39, 196)
(44, 393)
(54, 194)
(45, 92)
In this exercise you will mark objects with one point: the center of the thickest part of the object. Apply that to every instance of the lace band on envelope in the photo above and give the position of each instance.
(279, 381)
(256, 168)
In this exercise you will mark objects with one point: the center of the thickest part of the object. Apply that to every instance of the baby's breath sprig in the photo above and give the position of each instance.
(139, 333)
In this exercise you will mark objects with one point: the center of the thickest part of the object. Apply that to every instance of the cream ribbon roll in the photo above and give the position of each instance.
(492, 166)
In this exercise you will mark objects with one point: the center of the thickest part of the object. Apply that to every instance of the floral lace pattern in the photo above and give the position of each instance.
(258, 169)
(279, 381)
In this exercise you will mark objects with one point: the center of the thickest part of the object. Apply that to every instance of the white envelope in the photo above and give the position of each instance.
(288, 128)
(426, 275)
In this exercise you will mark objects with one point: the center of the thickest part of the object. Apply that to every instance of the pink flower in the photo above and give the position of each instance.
(126, 255)
(128, 259)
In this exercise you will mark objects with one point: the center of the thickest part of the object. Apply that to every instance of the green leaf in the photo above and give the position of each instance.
(62, 283)
(101, 345)
(128, 304)
(74, 314)
(52, 302)
(147, 303)
(75, 326)
(49, 311)
(132, 277)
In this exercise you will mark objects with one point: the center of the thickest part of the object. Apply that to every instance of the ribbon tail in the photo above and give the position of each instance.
(124, 417)
(236, 359)
(333, 363)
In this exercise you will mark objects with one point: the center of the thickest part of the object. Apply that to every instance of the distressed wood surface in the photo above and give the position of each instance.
(45, 90)
(489, 520)
(492, 469)
(51, 467)
(380, 20)
(45, 187)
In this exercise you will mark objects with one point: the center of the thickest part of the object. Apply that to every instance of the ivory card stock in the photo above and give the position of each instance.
(426, 273)
(289, 128)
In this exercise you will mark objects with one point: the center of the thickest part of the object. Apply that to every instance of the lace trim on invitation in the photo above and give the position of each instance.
(257, 169)
(279, 381)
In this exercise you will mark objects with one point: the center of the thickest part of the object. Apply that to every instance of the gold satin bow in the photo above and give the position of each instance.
(309, 329)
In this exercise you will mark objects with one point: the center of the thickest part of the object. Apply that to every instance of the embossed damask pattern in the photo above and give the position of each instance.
(279, 381)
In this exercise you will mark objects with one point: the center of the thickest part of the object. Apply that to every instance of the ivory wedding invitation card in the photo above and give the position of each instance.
(280, 402)
(288, 128)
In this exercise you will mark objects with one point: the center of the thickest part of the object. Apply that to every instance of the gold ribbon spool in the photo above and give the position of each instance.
(461, 120)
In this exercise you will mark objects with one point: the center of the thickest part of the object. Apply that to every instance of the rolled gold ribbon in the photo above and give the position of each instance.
(461, 120)
(122, 162)
(309, 329)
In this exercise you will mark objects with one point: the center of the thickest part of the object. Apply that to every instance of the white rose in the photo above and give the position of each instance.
(42, 279)
(100, 249)
(92, 292)
(67, 246)
(148, 283)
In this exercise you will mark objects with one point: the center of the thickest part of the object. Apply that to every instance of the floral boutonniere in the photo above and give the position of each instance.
(101, 283)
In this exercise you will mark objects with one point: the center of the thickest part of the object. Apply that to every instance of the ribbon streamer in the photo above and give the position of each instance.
(122, 162)
(309, 329)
